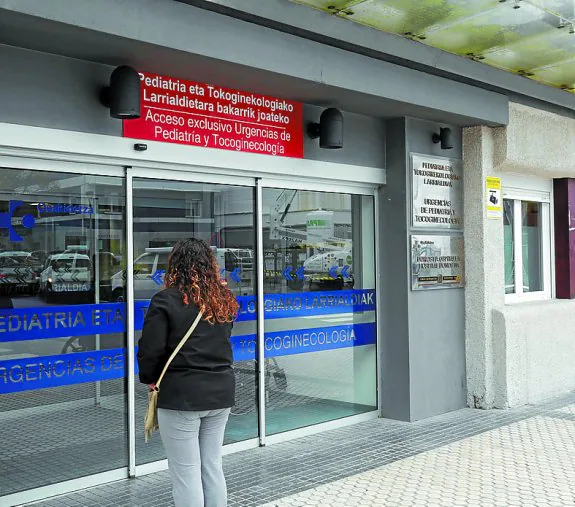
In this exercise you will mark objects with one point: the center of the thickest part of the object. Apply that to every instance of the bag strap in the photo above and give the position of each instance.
(178, 348)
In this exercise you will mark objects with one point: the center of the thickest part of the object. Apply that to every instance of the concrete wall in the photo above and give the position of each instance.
(523, 352)
(364, 142)
(484, 268)
(423, 349)
(54, 92)
(539, 354)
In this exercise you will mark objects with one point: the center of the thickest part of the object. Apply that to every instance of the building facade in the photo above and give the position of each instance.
(381, 279)
(518, 339)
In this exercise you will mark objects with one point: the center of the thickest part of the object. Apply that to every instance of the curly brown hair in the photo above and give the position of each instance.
(193, 269)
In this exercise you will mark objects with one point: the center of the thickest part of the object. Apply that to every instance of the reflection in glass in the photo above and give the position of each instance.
(532, 246)
(319, 282)
(508, 246)
(62, 344)
(223, 216)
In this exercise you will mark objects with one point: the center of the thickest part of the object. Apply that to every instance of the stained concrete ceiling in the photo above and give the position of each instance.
(532, 38)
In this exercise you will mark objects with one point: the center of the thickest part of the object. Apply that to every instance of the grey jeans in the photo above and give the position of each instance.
(193, 443)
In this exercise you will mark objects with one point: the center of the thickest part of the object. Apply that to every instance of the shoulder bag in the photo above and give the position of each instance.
(151, 420)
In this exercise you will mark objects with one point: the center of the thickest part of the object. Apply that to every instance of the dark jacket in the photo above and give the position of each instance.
(201, 376)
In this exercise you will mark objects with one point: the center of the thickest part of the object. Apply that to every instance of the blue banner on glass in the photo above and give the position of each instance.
(293, 304)
(61, 370)
(306, 304)
(59, 321)
(32, 373)
(302, 341)
(140, 310)
(43, 322)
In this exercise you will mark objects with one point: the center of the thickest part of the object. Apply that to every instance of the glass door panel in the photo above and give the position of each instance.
(62, 337)
(320, 328)
(166, 211)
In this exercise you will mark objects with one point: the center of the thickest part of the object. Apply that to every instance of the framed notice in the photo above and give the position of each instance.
(196, 114)
(437, 262)
(437, 193)
(493, 198)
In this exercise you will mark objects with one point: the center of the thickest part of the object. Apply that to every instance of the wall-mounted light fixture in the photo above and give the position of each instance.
(329, 129)
(122, 97)
(445, 137)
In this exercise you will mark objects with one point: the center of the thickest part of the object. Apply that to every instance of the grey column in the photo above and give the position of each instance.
(423, 342)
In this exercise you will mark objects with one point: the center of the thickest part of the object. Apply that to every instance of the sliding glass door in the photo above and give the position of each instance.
(318, 332)
(222, 215)
(63, 404)
(81, 255)
(320, 328)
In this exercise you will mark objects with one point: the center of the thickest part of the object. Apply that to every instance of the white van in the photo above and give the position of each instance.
(65, 274)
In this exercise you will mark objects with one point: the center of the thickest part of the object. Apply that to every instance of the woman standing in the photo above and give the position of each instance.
(198, 389)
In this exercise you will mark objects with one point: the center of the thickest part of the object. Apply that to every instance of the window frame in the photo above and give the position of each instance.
(520, 189)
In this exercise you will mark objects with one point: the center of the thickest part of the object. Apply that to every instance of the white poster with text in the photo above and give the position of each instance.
(437, 193)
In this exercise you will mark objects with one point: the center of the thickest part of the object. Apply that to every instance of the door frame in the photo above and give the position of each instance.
(326, 186)
(26, 161)
(193, 176)
(45, 149)
(199, 175)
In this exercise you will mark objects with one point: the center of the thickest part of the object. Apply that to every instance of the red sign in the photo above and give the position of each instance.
(184, 112)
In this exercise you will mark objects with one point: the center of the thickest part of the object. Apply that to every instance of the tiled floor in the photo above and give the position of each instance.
(521, 457)
(528, 463)
(83, 438)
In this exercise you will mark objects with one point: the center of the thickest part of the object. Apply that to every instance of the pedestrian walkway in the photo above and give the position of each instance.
(520, 457)
(527, 463)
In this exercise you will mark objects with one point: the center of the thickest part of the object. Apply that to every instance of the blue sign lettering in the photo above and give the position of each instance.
(308, 304)
(158, 276)
(287, 274)
(300, 273)
(72, 209)
(45, 322)
(28, 221)
(235, 275)
(65, 369)
(75, 368)
(303, 341)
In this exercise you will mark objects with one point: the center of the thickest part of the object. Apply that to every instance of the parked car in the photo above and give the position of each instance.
(66, 274)
(237, 265)
(148, 274)
(19, 273)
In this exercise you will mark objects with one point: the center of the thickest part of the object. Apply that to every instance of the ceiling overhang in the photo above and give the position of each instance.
(248, 57)
(532, 38)
(332, 27)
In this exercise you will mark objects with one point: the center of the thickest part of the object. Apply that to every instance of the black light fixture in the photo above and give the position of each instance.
(122, 97)
(445, 137)
(329, 129)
